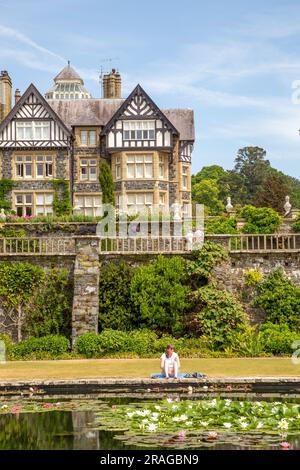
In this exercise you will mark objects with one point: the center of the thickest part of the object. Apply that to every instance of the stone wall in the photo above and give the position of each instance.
(86, 288)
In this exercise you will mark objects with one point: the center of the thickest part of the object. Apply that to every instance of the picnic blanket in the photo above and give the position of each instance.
(185, 375)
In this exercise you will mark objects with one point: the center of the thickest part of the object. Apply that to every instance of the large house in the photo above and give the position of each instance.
(64, 136)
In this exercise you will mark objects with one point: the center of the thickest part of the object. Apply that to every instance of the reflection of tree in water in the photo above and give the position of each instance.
(36, 431)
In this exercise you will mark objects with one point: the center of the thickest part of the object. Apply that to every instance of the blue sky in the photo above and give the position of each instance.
(233, 62)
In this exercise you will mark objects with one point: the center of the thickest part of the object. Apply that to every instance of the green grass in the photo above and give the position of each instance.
(98, 368)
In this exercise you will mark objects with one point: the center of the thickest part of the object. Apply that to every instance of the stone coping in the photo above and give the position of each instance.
(147, 381)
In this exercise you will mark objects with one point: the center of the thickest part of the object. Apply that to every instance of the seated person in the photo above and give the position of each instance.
(169, 363)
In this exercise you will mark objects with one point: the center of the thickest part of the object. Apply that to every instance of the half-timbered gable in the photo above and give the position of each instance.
(139, 123)
(32, 123)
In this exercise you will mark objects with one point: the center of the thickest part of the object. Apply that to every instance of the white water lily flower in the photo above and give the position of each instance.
(152, 427)
(283, 424)
(227, 425)
(143, 412)
(130, 414)
(259, 425)
(183, 417)
(213, 402)
(228, 402)
(242, 418)
(189, 423)
(190, 406)
(3, 407)
(258, 403)
(204, 423)
(244, 425)
(176, 418)
(170, 400)
(174, 407)
(157, 407)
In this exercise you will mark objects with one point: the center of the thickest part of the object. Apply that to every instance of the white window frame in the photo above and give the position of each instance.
(85, 208)
(27, 206)
(139, 165)
(139, 130)
(161, 167)
(139, 200)
(88, 164)
(46, 204)
(184, 177)
(88, 141)
(24, 162)
(118, 169)
(28, 130)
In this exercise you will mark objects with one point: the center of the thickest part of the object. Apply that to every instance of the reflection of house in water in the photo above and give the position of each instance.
(84, 438)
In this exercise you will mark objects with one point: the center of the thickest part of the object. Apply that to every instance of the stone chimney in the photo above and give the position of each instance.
(5, 94)
(112, 85)
(17, 95)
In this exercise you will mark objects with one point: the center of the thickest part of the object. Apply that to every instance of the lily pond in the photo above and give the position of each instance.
(170, 423)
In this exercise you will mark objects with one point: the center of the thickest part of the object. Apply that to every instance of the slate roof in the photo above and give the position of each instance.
(68, 73)
(97, 112)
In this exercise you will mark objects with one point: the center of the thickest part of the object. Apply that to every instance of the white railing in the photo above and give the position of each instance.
(37, 246)
(142, 245)
(263, 243)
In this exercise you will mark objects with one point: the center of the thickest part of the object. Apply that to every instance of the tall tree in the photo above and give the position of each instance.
(251, 164)
(272, 193)
(207, 192)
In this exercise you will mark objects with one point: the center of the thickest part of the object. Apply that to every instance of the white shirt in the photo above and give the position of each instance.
(170, 360)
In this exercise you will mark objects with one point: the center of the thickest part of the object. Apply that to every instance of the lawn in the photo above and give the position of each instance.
(98, 368)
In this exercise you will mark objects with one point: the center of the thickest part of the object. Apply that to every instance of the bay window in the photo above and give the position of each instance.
(90, 205)
(139, 166)
(137, 201)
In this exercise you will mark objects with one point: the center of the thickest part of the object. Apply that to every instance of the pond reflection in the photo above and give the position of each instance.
(75, 430)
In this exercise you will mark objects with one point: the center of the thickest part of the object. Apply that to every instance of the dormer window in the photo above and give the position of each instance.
(34, 130)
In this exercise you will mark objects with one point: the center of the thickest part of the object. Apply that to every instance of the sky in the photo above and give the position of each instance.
(235, 63)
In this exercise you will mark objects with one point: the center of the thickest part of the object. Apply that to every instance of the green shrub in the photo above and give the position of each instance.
(116, 309)
(278, 339)
(247, 343)
(296, 224)
(204, 261)
(216, 314)
(280, 299)
(221, 225)
(253, 277)
(260, 219)
(51, 346)
(88, 345)
(51, 307)
(159, 294)
(141, 342)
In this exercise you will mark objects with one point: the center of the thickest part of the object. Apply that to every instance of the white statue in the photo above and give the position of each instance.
(229, 206)
(177, 211)
(2, 216)
(189, 240)
(287, 206)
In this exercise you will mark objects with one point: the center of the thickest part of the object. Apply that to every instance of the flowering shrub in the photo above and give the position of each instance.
(260, 219)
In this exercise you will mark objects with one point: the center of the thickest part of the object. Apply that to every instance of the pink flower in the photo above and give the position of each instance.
(212, 435)
(47, 405)
(16, 409)
(182, 435)
(285, 445)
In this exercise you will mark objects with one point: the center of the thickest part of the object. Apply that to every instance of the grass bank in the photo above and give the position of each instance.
(98, 368)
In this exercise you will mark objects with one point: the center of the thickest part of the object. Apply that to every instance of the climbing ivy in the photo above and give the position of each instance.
(61, 199)
(6, 185)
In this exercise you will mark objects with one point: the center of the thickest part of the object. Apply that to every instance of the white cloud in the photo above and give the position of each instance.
(13, 34)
